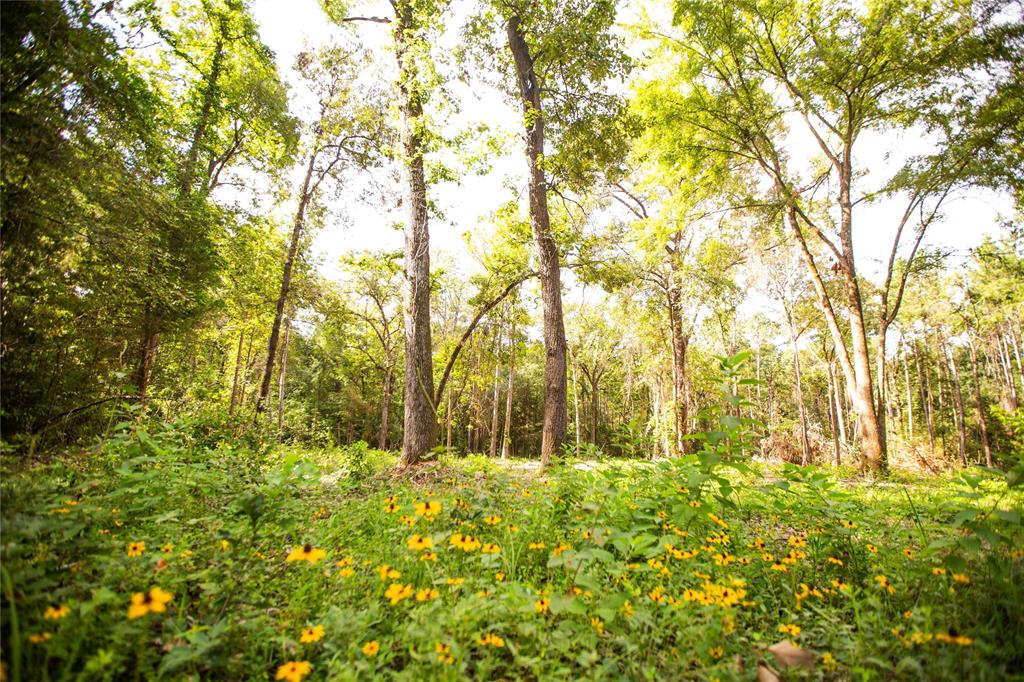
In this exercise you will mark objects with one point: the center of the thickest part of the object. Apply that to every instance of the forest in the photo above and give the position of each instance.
(508, 339)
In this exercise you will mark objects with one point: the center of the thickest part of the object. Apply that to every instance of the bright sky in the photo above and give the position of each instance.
(289, 26)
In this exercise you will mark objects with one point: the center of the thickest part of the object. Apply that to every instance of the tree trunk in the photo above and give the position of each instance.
(286, 275)
(238, 368)
(281, 377)
(805, 448)
(506, 439)
(576, 401)
(420, 420)
(680, 389)
(910, 400)
(983, 422)
(833, 417)
(958, 406)
(147, 353)
(925, 389)
(854, 358)
(385, 408)
(555, 380)
(497, 396)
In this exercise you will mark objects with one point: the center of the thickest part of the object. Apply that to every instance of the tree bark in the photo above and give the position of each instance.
(497, 395)
(506, 439)
(680, 385)
(555, 379)
(979, 406)
(238, 367)
(420, 419)
(281, 377)
(958, 406)
(576, 400)
(385, 408)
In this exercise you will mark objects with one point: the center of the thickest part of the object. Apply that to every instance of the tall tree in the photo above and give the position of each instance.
(842, 71)
(346, 131)
(559, 56)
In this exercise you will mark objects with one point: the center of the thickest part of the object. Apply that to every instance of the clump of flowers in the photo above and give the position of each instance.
(428, 509)
(491, 639)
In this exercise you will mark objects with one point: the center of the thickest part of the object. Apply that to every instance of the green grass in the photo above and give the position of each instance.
(613, 593)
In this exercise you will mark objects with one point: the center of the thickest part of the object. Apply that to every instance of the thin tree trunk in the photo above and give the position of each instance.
(497, 395)
(977, 401)
(555, 380)
(805, 448)
(576, 401)
(238, 368)
(286, 275)
(506, 439)
(833, 417)
(958, 403)
(910, 400)
(281, 377)
(385, 408)
(925, 389)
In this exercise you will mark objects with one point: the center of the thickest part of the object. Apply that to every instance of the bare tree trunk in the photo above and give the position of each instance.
(281, 377)
(805, 448)
(420, 421)
(925, 390)
(385, 408)
(497, 394)
(286, 275)
(837, 400)
(506, 439)
(555, 412)
(958, 404)
(1016, 354)
(576, 401)
(979, 406)
(832, 416)
(238, 368)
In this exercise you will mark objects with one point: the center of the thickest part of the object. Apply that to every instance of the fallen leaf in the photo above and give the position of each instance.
(789, 655)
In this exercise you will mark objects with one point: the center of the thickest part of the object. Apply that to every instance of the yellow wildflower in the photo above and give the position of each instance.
(312, 634)
(136, 548)
(56, 613)
(154, 601)
(371, 648)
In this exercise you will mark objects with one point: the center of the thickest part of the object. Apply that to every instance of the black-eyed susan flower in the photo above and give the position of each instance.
(427, 594)
(961, 578)
(428, 556)
(40, 637)
(908, 552)
(306, 553)
(885, 584)
(293, 671)
(428, 509)
(562, 546)
(56, 612)
(938, 570)
(790, 629)
(492, 520)
(848, 525)
(346, 572)
(455, 582)
(828, 661)
(542, 605)
(597, 624)
(512, 528)
(391, 507)
(396, 592)
(371, 648)
(154, 601)
(312, 634)
(407, 520)
(716, 652)
(490, 548)
(833, 560)
(136, 548)
(444, 653)
(386, 572)
(499, 576)
(418, 543)
(871, 548)
(717, 520)
(535, 545)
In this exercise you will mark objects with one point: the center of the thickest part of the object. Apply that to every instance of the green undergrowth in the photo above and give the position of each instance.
(681, 569)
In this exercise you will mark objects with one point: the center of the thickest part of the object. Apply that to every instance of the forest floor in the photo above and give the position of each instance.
(166, 556)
